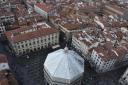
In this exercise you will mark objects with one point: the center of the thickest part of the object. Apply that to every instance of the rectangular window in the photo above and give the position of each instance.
(34, 42)
(49, 38)
(22, 45)
(45, 39)
(37, 41)
(18, 46)
(41, 40)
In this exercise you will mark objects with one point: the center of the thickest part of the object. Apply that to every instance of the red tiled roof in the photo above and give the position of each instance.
(30, 35)
(4, 81)
(3, 58)
(108, 53)
(7, 80)
(44, 6)
(70, 26)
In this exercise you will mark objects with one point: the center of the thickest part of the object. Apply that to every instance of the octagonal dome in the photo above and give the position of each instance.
(64, 66)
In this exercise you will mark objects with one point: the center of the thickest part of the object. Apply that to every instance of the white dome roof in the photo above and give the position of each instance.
(64, 66)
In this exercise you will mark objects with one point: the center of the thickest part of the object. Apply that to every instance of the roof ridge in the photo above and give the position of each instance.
(58, 66)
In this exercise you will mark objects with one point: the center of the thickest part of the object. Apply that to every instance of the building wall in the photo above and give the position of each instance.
(40, 11)
(10, 18)
(81, 47)
(2, 29)
(99, 64)
(124, 79)
(68, 33)
(36, 43)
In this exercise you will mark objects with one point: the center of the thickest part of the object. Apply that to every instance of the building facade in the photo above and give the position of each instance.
(80, 46)
(82, 42)
(105, 58)
(124, 79)
(8, 18)
(43, 9)
(100, 64)
(2, 29)
(32, 39)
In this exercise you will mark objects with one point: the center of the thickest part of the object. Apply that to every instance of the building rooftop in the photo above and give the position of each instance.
(109, 42)
(5, 13)
(64, 66)
(7, 78)
(29, 32)
(3, 58)
(108, 52)
(44, 6)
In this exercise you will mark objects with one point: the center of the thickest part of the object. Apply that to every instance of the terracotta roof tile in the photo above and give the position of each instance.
(30, 35)
(3, 58)
(44, 6)
(7, 80)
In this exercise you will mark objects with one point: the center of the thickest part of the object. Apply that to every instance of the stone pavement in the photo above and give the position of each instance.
(30, 71)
